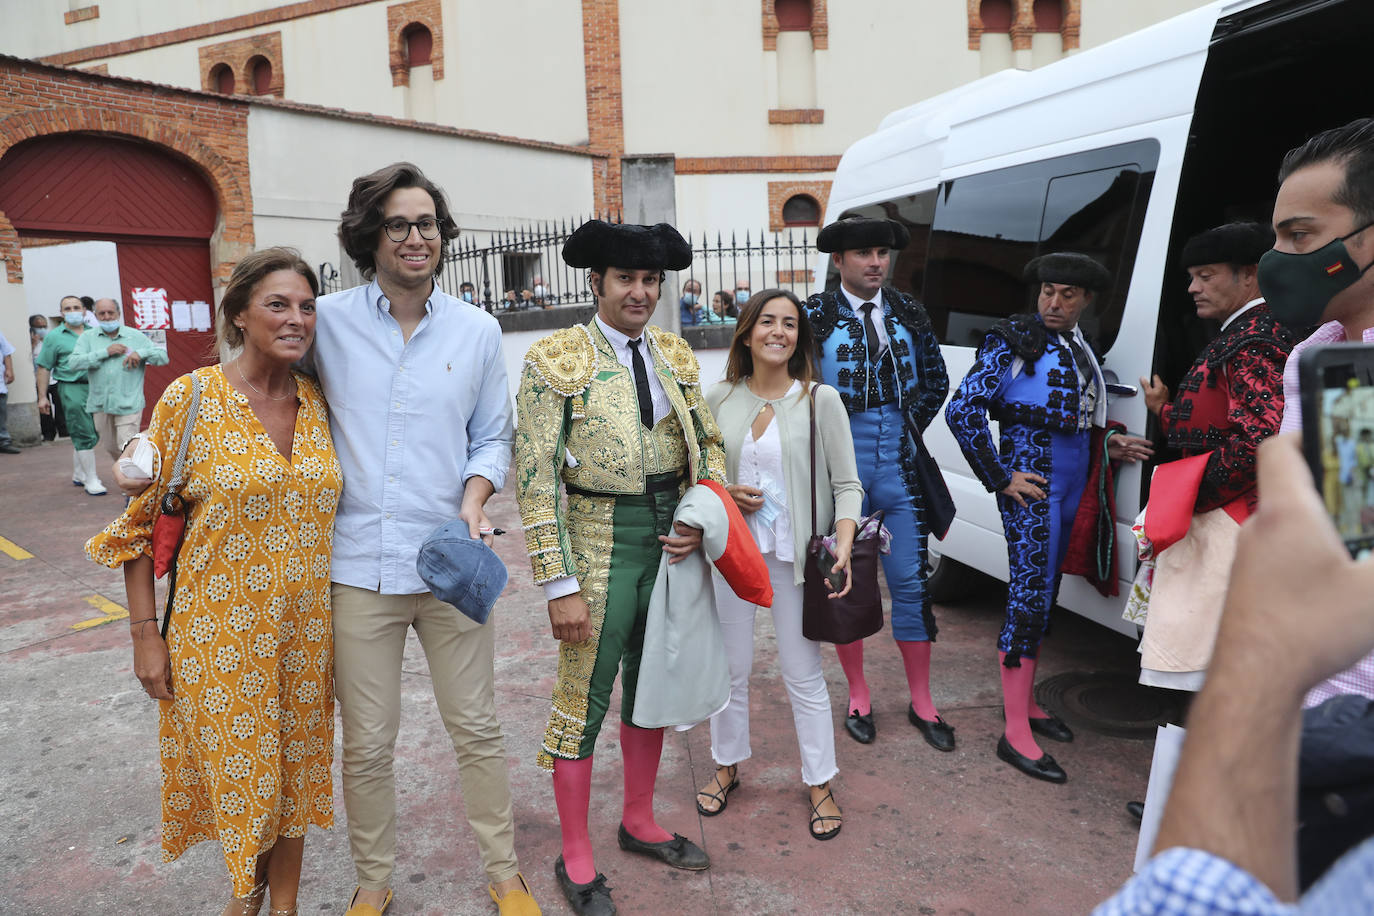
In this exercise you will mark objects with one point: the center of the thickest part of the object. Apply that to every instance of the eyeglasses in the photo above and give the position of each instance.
(398, 230)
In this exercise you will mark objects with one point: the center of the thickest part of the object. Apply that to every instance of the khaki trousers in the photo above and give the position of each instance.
(114, 429)
(369, 641)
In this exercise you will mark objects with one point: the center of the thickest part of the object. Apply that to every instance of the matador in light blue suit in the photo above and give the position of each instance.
(877, 348)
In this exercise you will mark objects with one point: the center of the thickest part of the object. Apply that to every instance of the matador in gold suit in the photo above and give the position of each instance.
(613, 410)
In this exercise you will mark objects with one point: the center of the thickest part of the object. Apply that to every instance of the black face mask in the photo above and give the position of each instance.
(1298, 287)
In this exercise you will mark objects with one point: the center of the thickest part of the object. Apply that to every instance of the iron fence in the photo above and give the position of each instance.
(522, 268)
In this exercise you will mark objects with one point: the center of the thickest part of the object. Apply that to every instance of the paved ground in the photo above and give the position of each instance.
(924, 832)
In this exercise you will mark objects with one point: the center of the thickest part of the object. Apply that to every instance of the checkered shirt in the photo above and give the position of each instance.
(1190, 882)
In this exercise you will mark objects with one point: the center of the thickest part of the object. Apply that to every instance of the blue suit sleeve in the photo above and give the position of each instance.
(967, 413)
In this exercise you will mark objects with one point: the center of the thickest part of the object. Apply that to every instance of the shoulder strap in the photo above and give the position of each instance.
(179, 466)
(811, 398)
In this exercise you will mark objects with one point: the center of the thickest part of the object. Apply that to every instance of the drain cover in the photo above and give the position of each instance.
(1110, 703)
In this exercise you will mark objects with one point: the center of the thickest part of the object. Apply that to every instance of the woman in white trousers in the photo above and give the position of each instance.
(764, 411)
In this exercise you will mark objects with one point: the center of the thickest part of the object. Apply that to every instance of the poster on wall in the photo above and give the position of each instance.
(151, 311)
(157, 337)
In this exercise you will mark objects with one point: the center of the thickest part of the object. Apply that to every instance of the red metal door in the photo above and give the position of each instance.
(182, 268)
(154, 205)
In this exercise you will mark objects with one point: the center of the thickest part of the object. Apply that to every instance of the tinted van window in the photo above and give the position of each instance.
(988, 226)
(971, 238)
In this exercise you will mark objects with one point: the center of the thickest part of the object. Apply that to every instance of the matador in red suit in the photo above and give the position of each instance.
(1229, 402)
(1232, 398)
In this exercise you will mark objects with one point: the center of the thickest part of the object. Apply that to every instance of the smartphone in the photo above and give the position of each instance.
(1336, 382)
(827, 563)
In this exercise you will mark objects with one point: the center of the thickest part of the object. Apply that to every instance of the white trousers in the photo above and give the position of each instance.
(799, 660)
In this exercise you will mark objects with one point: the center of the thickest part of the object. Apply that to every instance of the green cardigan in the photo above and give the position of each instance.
(838, 492)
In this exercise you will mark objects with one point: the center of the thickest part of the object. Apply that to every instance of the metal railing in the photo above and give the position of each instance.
(522, 268)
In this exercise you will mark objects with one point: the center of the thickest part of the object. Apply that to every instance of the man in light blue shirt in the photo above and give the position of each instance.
(114, 357)
(421, 419)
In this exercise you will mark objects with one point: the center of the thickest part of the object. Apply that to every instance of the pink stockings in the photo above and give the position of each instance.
(640, 749)
(916, 661)
(572, 793)
(1019, 705)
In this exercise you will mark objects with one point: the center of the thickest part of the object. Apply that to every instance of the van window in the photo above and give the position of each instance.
(966, 257)
(988, 226)
(907, 271)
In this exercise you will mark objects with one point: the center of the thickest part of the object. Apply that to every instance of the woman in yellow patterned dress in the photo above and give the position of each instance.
(245, 675)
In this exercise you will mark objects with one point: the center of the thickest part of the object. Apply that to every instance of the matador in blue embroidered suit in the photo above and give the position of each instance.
(877, 348)
(1037, 376)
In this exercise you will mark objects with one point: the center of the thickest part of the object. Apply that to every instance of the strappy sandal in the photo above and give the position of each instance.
(722, 793)
(247, 906)
(818, 818)
(284, 911)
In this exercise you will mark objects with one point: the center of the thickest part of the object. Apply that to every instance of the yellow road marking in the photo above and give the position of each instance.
(12, 549)
(105, 606)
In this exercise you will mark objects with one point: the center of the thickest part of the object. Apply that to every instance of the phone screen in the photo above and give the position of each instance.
(1342, 457)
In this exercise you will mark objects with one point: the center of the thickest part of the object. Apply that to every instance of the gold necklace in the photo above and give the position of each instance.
(255, 387)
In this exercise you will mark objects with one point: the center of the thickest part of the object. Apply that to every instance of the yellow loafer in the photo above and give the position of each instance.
(517, 902)
(367, 909)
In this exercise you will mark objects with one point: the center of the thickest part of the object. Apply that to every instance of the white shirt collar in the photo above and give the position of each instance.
(855, 302)
(618, 339)
(1241, 311)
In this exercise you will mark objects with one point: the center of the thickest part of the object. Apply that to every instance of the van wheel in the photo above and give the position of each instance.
(947, 580)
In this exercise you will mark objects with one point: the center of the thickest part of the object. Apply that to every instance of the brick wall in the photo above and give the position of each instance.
(820, 26)
(726, 165)
(71, 17)
(1023, 24)
(427, 13)
(237, 55)
(780, 191)
(605, 127)
(210, 131)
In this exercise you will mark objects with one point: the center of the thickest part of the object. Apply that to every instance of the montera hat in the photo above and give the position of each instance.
(464, 572)
(597, 244)
(1233, 243)
(862, 232)
(1069, 268)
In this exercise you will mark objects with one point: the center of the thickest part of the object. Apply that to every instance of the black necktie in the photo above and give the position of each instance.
(870, 330)
(1080, 358)
(646, 400)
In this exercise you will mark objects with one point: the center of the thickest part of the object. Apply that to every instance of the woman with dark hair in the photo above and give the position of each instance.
(244, 672)
(764, 408)
(723, 307)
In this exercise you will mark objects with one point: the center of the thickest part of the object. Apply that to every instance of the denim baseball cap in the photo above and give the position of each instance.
(464, 572)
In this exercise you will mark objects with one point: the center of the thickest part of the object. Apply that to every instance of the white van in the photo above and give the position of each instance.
(1121, 152)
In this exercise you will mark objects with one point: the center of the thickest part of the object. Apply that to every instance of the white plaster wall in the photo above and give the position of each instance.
(14, 324)
(303, 165)
(1104, 20)
(725, 203)
(512, 67)
(75, 269)
(35, 28)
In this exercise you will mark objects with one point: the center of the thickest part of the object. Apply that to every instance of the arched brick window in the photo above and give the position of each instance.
(793, 15)
(1049, 15)
(801, 210)
(415, 31)
(419, 44)
(996, 16)
(222, 79)
(259, 75)
(250, 65)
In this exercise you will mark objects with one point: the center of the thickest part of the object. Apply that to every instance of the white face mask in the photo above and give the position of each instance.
(541, 291)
